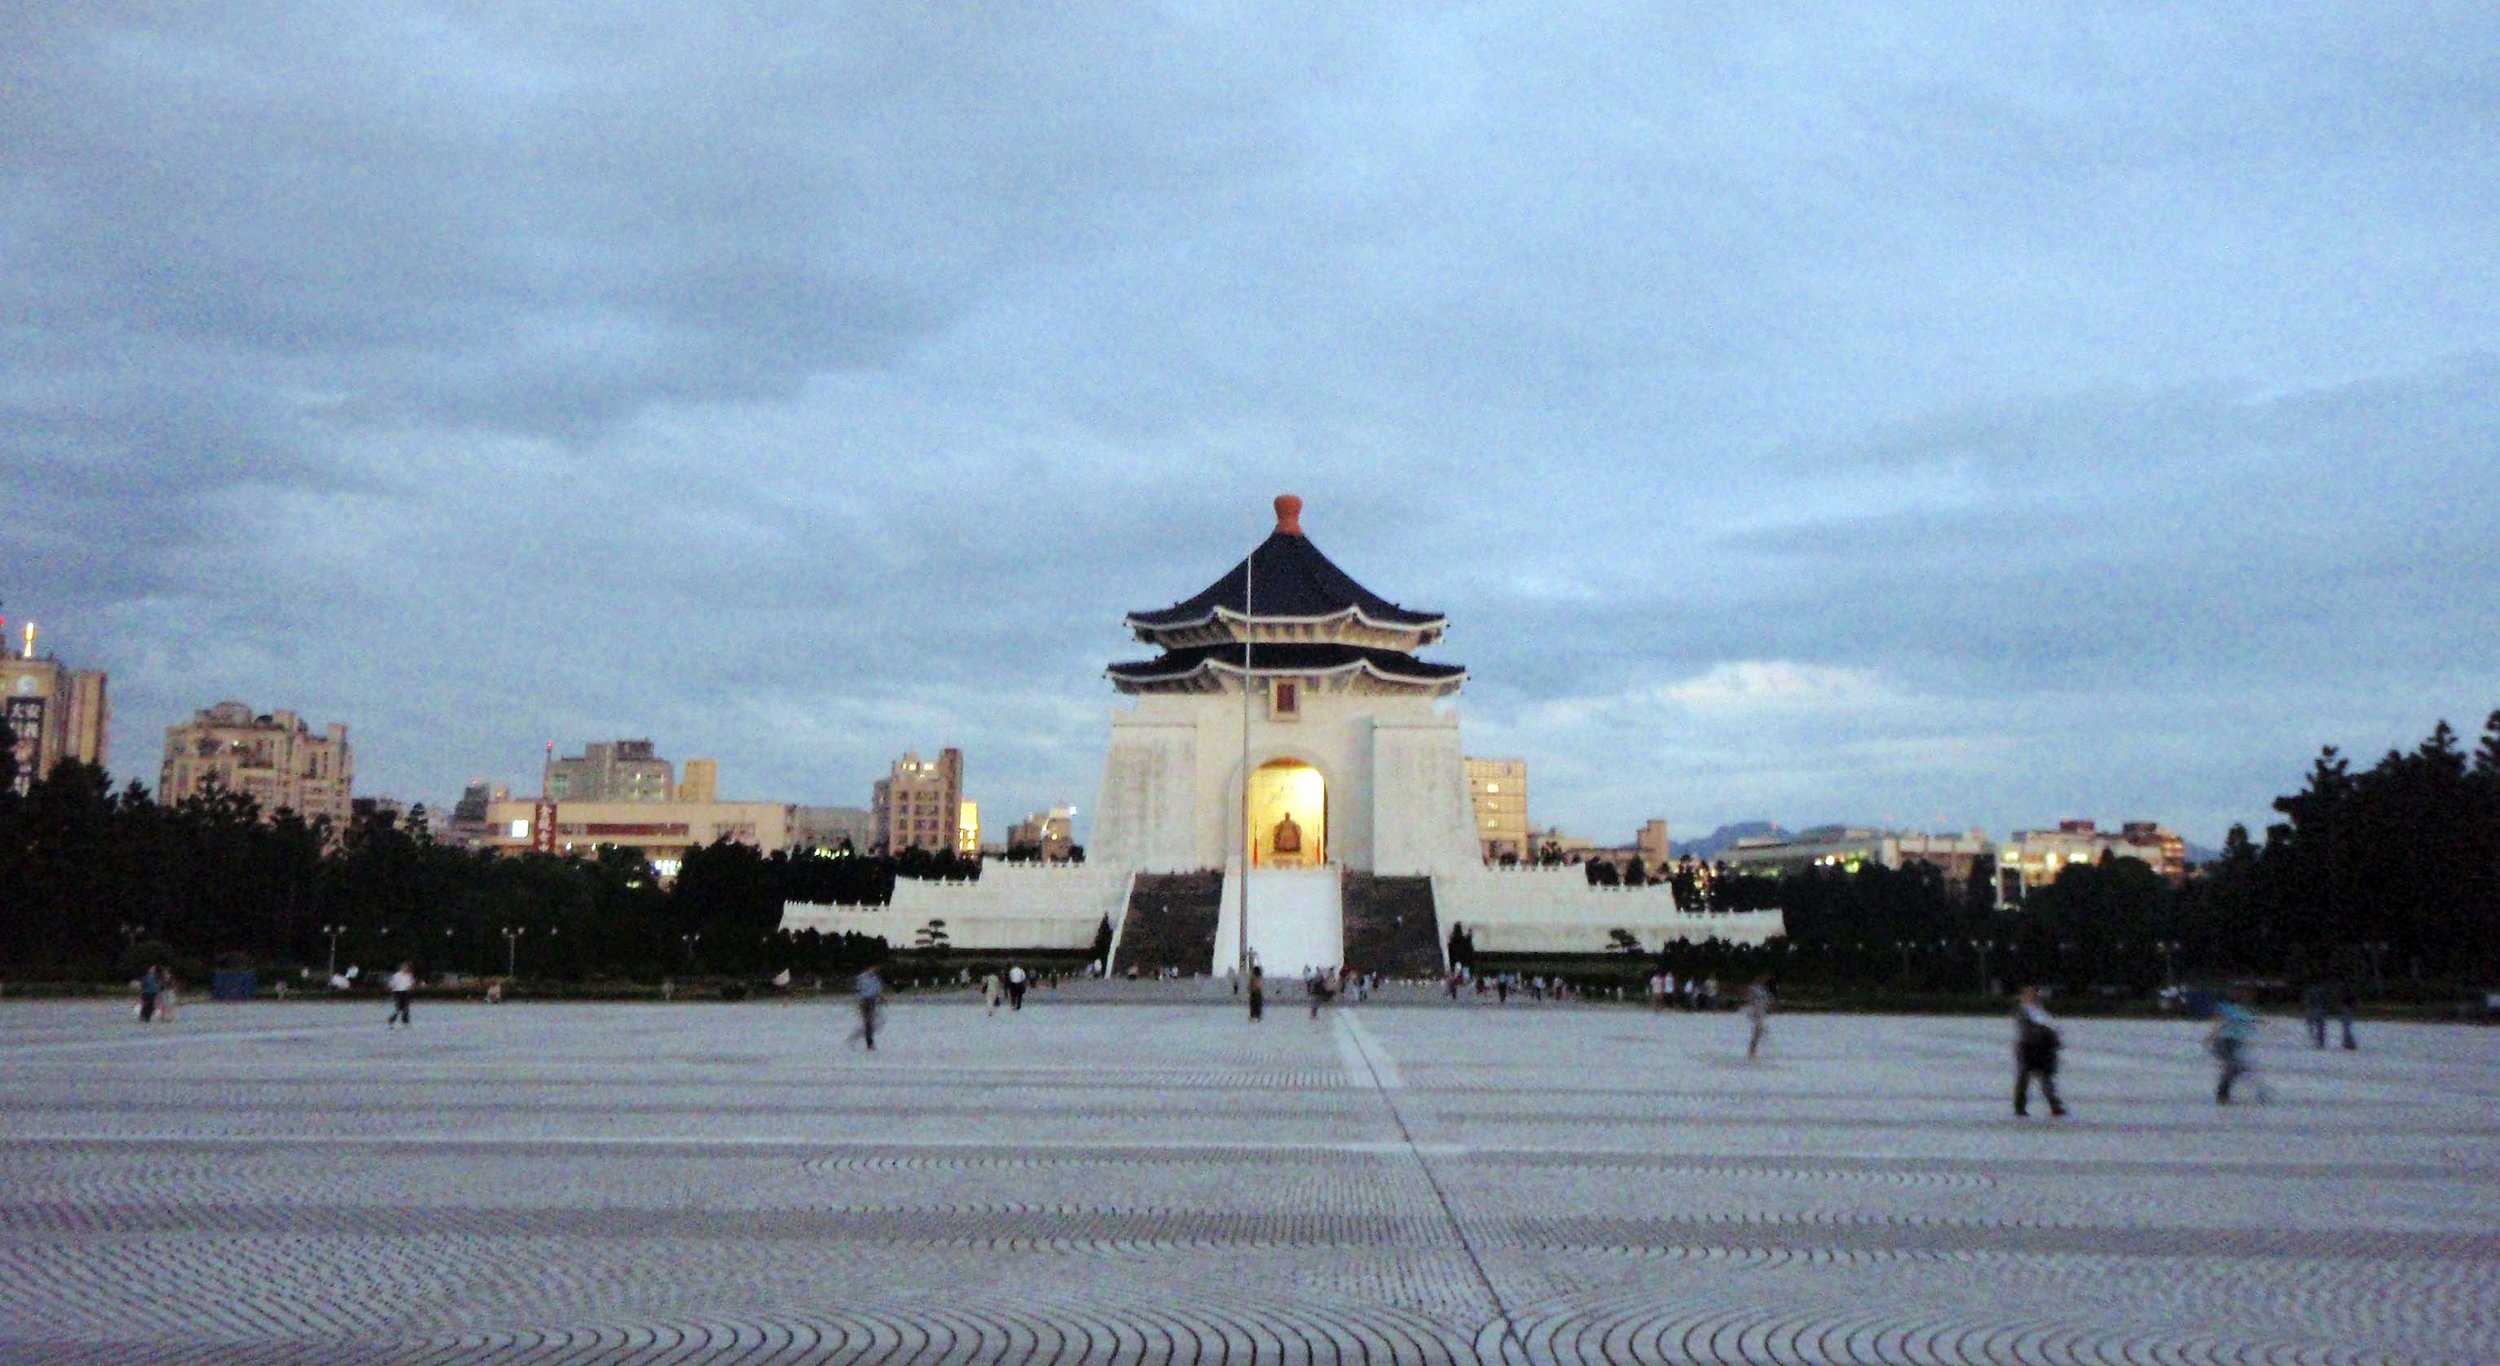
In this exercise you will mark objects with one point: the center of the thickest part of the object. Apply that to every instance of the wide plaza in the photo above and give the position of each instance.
(1163, 1180)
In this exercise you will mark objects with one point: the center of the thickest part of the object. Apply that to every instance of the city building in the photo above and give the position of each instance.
(412, 820)
(271, 757)
(1048, 835)
(1562, 845)
(1849, 848)
(1652, 845)
(920, 805)
(701, 782)
(467, 827)
(968, 830)
(1497, 790)
(57, 713)
(610, 771)
(831, 827)
(1288, 780)
(660, 831)
(2034, 858)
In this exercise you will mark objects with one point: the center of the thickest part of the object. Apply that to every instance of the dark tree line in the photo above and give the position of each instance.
(2383, 878)
(96, 882)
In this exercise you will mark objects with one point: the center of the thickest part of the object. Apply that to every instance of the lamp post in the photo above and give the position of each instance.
(2169, 972)
(512, 949)
(1904, 946)
(1982, 946)
(1249, 833)
(690, 940)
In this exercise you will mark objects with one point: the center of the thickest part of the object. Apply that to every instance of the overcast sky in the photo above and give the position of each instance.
(1907, 417)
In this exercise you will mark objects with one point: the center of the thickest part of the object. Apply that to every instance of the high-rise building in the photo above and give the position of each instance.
(271, 757)
(702, 781)
(1652, 846)
(1497, 789)
(831, 827)
(467, 827)
(611, 771)
(56, 713)
(1048, 835)
(920, 805)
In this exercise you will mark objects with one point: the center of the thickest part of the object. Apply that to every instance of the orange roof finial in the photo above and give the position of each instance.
(1288, 515)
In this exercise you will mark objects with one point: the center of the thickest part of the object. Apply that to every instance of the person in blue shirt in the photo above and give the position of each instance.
(2232, 1039)
(869, 988)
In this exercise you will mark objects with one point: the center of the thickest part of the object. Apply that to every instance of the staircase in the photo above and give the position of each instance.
(1170, 922)
(1391, 927)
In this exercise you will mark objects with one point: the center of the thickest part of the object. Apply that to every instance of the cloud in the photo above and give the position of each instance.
(1752, 685)
(1829, 413)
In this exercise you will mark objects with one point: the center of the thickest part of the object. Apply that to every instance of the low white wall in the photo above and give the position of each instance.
(1557, 910)
(1012, 906)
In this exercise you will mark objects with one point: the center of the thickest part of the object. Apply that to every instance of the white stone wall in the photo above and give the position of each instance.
(1556, 910)
(1171, 790)
(1422, 822)
(1012, 906)
(1147, 818)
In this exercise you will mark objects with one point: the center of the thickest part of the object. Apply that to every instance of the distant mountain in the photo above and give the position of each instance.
(1710, 846)
(2198, 854)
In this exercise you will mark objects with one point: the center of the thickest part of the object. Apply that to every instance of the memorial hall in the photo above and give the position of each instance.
(1287, 756)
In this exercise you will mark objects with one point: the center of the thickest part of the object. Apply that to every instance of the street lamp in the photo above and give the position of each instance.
(1249, 833)
(690, 940)
(1982, 946)
(511, 948)
(2167, 947)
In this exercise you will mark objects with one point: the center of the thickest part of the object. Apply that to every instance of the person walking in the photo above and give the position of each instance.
(2313, 1013)
(1015, 986)
(151, 983)
(2035, 1053)
(870, 989)
(2233, 1040)
(2345, 1000)
(403, 986)
(1758, 1010)
(992, 992)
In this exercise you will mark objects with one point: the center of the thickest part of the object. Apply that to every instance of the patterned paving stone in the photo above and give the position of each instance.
(1166, 1182)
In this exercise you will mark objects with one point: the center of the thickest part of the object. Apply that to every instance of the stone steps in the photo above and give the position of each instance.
(1170, 922)
(1391, 925)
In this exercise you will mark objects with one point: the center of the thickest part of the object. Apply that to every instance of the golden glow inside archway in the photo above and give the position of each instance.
(1289, 813)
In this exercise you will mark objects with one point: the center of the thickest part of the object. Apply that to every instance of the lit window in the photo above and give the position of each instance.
(520, 830)
(1492, 787)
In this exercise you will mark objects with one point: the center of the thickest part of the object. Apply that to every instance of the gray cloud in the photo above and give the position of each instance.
(1800, 415)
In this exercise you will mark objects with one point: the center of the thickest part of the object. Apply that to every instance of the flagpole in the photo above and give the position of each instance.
(1250, 837)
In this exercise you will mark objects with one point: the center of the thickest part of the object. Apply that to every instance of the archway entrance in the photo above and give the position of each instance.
(1289, 813)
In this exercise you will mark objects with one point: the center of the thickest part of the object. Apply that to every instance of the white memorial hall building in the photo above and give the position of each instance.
(1288, 750)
